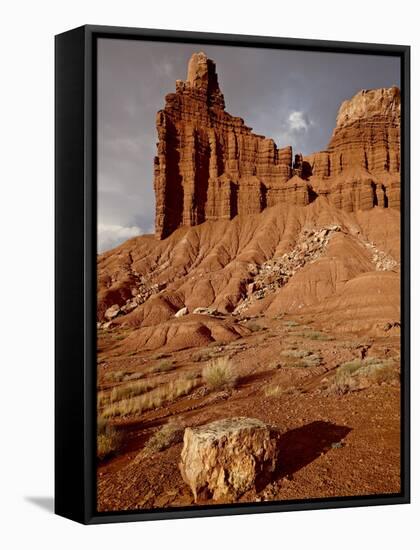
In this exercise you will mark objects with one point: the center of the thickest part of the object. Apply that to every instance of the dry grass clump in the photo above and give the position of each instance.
(122, 376)
(291, 324)
(108, 439)
(163, 366)
(114, 376)
(170, 434)
(118, 337)
(273, 391)
(386, 374)
(362, 373)
(277, 390)
(131, 389)
(152, 399)
(102, 399)
(314, 335)
(133, 376)
(311, 360)
(220, 374)
(202, 355)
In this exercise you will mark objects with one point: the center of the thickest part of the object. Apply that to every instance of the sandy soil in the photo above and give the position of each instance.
(329, 445)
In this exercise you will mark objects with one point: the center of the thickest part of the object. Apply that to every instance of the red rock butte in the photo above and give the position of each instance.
(211, 166)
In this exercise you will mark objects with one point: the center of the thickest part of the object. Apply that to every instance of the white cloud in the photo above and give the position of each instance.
(110, 236)
(166, 68)
(299, 121)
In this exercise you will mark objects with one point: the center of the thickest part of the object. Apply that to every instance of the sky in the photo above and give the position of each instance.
(290, 96)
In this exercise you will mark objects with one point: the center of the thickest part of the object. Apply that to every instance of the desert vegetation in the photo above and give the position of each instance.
(168, 435)
(131, 389)
(108, 438)
(280, 306)
(361, 373)
(162, 366)
(150, 400)
(278, 390)
(220, 374)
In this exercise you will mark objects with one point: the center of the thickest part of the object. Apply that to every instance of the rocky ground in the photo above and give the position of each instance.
(332, 441)
(268, 301)
(290, 316)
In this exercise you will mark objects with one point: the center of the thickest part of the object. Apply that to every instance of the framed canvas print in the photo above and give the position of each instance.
(232, 274)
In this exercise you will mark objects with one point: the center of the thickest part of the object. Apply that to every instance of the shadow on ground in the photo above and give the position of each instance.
(299, 447)
(46, 503)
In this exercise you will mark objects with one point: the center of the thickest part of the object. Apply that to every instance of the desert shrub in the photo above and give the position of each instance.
(378, 371)
(349, 368)
(361, 373)
(343, 383)
(170, 434)
(312, 360)
(108, 439)
(152, 399)
(220, 374)
(385, 374)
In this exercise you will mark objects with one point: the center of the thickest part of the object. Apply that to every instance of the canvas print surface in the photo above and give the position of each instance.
(248, 275)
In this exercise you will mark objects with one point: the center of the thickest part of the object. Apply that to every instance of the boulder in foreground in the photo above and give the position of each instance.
(225, 458)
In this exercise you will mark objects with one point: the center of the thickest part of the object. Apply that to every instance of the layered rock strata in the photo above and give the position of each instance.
(361, 167)
(210, 165)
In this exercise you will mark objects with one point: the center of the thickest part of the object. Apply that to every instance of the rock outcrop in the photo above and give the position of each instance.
(225, 458)
(361, 167)
(210, 165)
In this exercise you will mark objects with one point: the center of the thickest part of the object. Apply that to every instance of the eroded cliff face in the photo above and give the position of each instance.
(361, 167)
(210, 165)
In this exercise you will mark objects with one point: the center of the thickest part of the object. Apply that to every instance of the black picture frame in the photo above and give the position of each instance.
(75, 271)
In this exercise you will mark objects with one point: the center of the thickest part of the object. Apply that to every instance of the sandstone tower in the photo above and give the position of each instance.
(210, 165)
